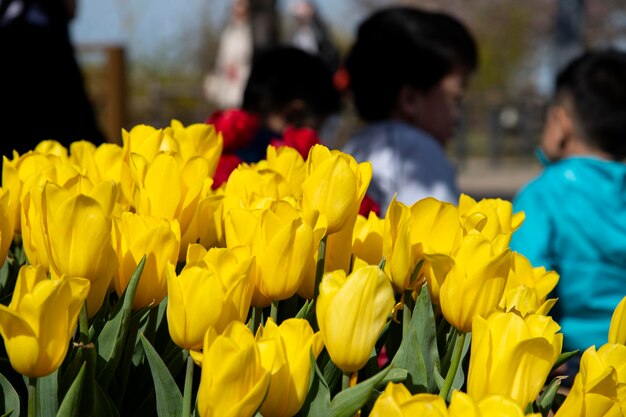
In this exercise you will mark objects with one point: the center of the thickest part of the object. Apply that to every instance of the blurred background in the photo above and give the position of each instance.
(149, 61)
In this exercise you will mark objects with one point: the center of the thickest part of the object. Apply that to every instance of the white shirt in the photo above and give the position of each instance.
(406, 161)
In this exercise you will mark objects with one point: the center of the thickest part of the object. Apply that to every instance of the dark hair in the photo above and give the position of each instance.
(400, 46)
(282, 74)
(596, 84)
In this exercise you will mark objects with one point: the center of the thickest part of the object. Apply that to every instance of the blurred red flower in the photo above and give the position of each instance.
(227, 164)
(301, 139)
(238, 127)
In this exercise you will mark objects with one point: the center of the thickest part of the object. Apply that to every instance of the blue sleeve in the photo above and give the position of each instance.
(533, 238)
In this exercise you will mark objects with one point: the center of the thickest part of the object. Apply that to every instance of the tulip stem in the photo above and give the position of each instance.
(83, 325)
(32, 397)
(345, 381)
(454, 365)
(188, 387)
(407, 311)
(274, 311)
(319, 271)
(255, 320)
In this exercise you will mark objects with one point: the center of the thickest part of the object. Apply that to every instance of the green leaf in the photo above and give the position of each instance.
(10, 398)
(110, 342)
(349, 401)
(564, 357)
(70, 407)
(332, 374)
(103, 405)
(168, 396)
(317, 402)
(46, 395)
(395, 375)
(418, 352)
(546, 399)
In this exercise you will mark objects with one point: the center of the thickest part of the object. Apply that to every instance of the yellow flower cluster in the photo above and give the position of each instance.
(284, 228)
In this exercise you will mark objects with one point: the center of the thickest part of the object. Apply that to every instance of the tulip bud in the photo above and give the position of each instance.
(617, 331)
(351, 313)
(233, 381)
(495, 216)
(367, 239)
(512, 356)
(40, 320)
(286, 353)
(463, 405)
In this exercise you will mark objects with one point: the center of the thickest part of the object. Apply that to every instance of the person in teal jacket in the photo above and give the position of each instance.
(576, 208)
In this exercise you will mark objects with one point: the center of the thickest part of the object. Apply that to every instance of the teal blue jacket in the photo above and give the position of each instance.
(576, 225)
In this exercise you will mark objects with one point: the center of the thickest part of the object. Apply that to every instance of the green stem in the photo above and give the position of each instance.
(345, 381)
(188, 387)
(454, 365)
(83, 325)
(321, 261)
(407, 311)
(32, 397)
(255, 320)
(274, 311)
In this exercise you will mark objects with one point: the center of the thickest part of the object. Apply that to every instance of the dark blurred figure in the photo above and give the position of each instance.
(43, 93)
(287, 87)
(408, 72)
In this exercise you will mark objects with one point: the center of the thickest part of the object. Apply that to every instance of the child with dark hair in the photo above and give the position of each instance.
(288, 95)
(576, 209)
(408, 71)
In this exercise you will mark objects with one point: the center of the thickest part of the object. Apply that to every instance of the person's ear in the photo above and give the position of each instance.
(564, 125)
(409, 104)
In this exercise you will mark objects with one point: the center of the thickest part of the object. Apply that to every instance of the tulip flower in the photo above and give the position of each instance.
(512, 356)
(146, 141)
(397, 401)
(157, 239)
(367, 239)
(475, 284)
(290, 165)
(233, 381)
(71, 233)
(249, 187)
(527, 288)
(211, 293)
(463, 405)
(599, 388)
(7, 224)
(197, 139)
(335, 186)
(286, 354)
(281, 242)
(40, 320)
(617, 331)
(351, 313)
(490, 216)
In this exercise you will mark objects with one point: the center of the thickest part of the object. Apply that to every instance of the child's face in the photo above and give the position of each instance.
(439, 109)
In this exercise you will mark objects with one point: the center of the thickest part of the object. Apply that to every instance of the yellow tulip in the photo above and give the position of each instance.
(489, 216)
(252, 188)
(527, 288)
(281, 242)
(286, 354)
(463, 405)
(351, 313)
(512, 356)
(52, 147)
(74, 234)
(233, 381)
(401, 254)
(146, 141)
(210, 293)
(617, 331)
(599, 388)
(178, 190)
(7, 224)
(334, 186)
(290, 165)
(199, 139)
(475, 283)
(40, 320)
(367, 239)
(157, 239)
(397, 401)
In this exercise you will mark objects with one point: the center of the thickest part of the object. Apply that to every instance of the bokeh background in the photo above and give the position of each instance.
(145, 60)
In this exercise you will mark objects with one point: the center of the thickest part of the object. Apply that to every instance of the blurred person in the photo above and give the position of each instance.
(43, 94)
(408, 70)
(225, 84)
(288, 98)
(575, 209)
(311, 34)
